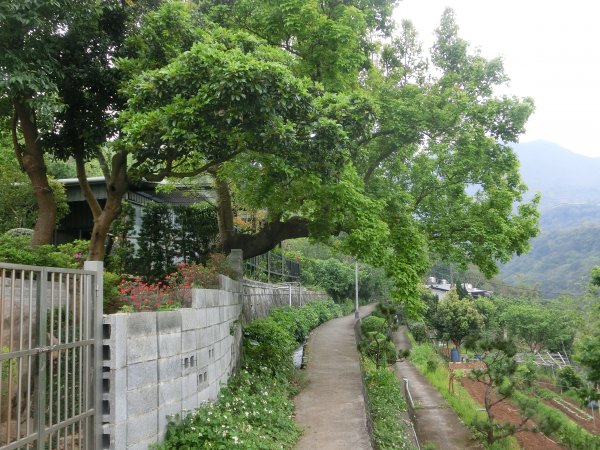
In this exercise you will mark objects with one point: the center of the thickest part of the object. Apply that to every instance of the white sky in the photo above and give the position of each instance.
(551, 52)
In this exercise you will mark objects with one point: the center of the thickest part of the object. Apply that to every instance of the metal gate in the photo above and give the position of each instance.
(49, 356)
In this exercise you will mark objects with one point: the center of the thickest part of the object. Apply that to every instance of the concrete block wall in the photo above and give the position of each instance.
(161, 363)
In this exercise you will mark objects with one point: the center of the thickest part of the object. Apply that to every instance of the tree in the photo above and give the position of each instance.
(537, 326)
(404, 164)
(588, 354)
(498, 376)
(456, 319)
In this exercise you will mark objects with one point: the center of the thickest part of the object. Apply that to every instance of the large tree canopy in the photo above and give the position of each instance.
(296, 109)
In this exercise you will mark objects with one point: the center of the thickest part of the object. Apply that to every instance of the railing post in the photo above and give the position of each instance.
(42, 331)
(235, 259)
(98, 308)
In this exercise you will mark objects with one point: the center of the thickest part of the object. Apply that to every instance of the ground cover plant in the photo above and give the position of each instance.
(387, 406)
(255, 410)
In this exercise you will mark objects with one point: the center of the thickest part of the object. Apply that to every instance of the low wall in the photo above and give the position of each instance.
(161, 363)
(259, 298)
(157, 364)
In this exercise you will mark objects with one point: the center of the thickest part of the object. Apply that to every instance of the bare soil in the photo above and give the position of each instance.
(507, 412)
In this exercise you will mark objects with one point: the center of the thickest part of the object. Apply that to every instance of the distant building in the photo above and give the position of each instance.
(79, 222)
(440, 288)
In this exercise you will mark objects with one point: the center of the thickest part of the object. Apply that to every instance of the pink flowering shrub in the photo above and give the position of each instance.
(175, 291)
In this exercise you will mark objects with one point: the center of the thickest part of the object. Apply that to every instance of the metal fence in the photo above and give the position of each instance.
(271, 268)
(49, 356)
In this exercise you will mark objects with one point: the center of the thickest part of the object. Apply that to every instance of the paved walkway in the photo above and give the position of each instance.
(436, 422)
(331, 408)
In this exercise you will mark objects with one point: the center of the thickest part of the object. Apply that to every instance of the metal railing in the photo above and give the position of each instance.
(49, 347)
(411, 410)
(271, 268)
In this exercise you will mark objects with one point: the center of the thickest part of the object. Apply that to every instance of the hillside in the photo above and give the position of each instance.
(559, 174)
(568, 245)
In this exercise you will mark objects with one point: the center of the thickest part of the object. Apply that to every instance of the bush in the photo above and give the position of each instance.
(374, 324)
(268, 344)
(18, 250)
(387, 407)
(419, 331)
(567, 378)
(138, 295)
(251, 412)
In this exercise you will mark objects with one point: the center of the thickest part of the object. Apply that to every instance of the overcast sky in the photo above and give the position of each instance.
(551, 52)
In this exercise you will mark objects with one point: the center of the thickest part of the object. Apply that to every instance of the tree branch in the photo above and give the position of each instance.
(84, 185)
(15, 139)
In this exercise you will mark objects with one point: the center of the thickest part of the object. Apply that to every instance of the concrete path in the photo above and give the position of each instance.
(331, 408)
(435, 421)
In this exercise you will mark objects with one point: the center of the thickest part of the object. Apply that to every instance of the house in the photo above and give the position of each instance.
(79, 221)
(440, 288)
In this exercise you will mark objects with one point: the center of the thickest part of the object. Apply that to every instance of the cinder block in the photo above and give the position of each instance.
(142, 349)
(188, 341)
(212, 297)
(164, 414)
(117, 433)
(198, 298)
(169, 345)
(117, 403)
(169, 322)
(190, 403)
(191, 319)
(142, 428)
(201, 338)
(213, 390)
(189, 386)
(141, 324)
(143, 445)
(203, 359)
(117, 324)
(170, 368)
(141, 401)
(204, 395)
(142, 374)
(169, 392)
(213, 316)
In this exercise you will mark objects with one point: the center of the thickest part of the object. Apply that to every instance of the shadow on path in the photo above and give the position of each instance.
(331, 408)
(435, 421)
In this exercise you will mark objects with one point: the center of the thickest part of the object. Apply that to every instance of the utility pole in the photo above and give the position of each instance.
(356, 316)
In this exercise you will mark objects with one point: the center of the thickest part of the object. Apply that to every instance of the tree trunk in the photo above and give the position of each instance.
(270, 235)
(224, 215)
(116, 187)
(32, 159)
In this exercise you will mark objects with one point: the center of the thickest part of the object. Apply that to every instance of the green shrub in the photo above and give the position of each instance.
(253, 411)
(18, 250)
(387, 407)
(267, 343)
(419, 331)
(432, 365)
(374, 324)
(567, 378)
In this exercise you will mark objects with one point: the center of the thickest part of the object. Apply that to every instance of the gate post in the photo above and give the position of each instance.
(98, 267)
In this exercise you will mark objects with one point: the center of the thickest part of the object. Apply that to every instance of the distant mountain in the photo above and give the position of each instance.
(569, 243)
(559, 174)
